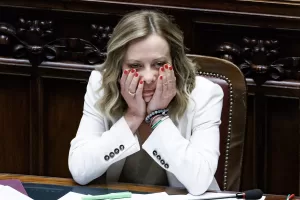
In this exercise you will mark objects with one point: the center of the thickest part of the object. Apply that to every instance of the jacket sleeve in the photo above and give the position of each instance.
(94, 148)
(194, 161)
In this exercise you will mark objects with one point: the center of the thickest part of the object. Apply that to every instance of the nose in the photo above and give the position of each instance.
(149, 75)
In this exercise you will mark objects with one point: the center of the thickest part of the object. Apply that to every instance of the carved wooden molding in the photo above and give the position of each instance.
(101, 34)
(34, 40)
(259, 59)
(42, 29)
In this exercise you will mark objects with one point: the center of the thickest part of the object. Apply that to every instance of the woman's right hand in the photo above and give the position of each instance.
(131, 90)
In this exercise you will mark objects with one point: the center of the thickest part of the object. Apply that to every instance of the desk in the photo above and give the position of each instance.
(116, 186)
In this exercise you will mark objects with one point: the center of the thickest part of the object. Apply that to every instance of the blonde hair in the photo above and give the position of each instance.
(138, 25)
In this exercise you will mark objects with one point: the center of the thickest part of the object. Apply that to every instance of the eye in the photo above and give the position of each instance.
(160, 64)
(134, 66)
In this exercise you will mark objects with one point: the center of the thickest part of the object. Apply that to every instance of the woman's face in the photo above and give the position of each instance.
(146, 56)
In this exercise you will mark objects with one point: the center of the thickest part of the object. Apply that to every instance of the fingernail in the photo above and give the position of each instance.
(141, 82)
(125, 72)
(132, 71)
(171, 68)
(136, 74)
(166, 66)
(161, 77)
(162, 69)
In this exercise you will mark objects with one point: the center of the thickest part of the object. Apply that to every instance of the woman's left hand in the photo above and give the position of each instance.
(165, 89)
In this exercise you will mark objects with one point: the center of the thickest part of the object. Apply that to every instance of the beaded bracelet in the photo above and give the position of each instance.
(163, 112)
(159, 121)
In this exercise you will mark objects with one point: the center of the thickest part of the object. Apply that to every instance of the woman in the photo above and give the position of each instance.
(147, 118)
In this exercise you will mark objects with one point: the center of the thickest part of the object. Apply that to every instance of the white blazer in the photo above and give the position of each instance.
(189, 147)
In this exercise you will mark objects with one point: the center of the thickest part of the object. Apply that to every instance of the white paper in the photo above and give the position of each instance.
(158, 196)
(72, 196)
(153, 196)
(7, 192)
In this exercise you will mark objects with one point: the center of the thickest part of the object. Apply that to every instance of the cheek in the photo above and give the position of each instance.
(124, 67)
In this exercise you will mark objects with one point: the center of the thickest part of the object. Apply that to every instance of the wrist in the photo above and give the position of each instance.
(158, 121)
(155, 119)
(133, 117)
(149, 111)
(153, 114)
(133, 121)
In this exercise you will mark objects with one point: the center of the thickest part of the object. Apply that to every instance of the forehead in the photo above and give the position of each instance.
(149, 48)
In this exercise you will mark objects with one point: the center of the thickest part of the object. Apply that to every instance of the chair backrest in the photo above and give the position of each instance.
(232, 128)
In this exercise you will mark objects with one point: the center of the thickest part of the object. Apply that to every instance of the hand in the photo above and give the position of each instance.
(165, 89)
(131, 90)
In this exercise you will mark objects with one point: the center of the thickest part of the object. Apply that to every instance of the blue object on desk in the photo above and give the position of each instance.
(54, 192)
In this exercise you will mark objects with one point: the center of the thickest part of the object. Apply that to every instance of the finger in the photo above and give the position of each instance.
(165, 86)
(123, 79)
(159, 84)
(172, 78)
(164, 79)
(134, 83)
(129, 79)
(168, 76)
(139, 90)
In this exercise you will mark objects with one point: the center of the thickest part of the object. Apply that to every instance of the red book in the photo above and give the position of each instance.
(14, 183)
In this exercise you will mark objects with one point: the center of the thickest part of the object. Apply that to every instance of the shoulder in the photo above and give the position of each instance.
(206, 92)
(206, 88)
(93, 92)
(94, 82)
(95, 79)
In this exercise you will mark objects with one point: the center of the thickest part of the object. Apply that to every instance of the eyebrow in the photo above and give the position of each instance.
(160, 58)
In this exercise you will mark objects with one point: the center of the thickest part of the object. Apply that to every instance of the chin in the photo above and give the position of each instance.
(147, 99)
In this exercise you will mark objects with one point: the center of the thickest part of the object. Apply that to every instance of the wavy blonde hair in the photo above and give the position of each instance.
(139, 25)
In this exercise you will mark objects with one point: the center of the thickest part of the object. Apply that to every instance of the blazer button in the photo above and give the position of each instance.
(155, 153)
(106, 157)
(122, 147)
(116, 151)
(111, 154)
(162, 162)
(166, 166)
(158, 157)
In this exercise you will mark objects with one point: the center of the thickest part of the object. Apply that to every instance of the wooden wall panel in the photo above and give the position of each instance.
(15, 138)
(271, 143)
(282, 135)
(62, 108)
(276, 137)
